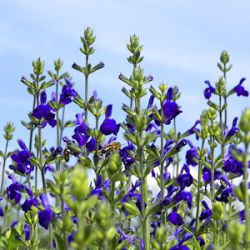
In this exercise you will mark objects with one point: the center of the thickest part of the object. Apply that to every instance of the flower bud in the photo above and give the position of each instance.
(221, 87)
(79, 182)
(218, 211)
(224, 57)
(235, 232)
(245, 121)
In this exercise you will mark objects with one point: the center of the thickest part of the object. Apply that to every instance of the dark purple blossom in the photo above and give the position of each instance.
(31, 201)
(91, 144)
(80, 132)
(207, 213)
(68, 93)
(185, 196)
(206, 174)
(22, 159)
(44, 112)
(175, 218)
(1, 210)
(124, 236)
(27, 231)
(45, 216)
(240, 90)
(191, 156)
(109, 125)
(126, 158)
(185, 179)
(13, 190)
(231, 164)
(100, 184)
(229, 133)
(209, 90)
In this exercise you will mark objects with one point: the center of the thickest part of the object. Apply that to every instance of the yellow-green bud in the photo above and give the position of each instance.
(79, 179)
(235, 232)
(224, 57)
(245, 121)
(218, 211)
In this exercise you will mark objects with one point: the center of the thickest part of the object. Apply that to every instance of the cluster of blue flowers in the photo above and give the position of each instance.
(193, 204)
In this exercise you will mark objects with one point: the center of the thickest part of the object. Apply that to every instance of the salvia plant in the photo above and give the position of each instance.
(50, 199)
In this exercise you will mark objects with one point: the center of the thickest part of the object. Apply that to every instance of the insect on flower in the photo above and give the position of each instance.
(110, 148)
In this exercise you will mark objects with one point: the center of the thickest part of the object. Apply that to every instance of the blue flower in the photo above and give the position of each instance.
(229, 133)
(31, 201)
(124, 236)
(231, 164)
(13, 190)
(191, 156)
(240, 90)
(68, 93)
(207, 213)
(209, 90)
(22, 159)
(45, 216)
(175, 219)
(27, 231)
(126, 158)
(80, 132)
(185, 179)
(109, 125)
(43, 112)
(185, 196)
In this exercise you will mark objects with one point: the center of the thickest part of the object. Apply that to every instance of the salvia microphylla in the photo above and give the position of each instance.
(92, 190)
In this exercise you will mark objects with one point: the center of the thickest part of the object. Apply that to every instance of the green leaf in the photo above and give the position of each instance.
(59, 241)
(131, 208)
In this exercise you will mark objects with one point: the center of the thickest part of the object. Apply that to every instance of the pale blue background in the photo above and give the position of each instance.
(182, 44)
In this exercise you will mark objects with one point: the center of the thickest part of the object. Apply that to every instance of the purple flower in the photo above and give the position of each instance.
(68, 93)
(44, 112)
(240, 90)
(175, 218)
(27, 231)
(80, 132)
(45, 216)
(233, 130)
(151, 101)
(185, 196)
(100, 184)
(13, 190)
(185, 180)
(21, 158)
(1, 210)
(231, 164)
(170, 110)
(124, 236)
(109, 125)
(207, 213)
(209, 90)
(191, 155)
(91, 144)
(126, 158)
(31, 201)
(206, 174)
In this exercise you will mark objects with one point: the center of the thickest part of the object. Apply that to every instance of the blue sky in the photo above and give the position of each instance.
(182, 44)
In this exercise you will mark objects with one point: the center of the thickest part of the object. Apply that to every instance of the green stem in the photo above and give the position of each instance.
(63, 216)
(177, 154)
(57, 126)
(199, 193)
(246, 198)
(4, 163)
(86, 91)
(40, 159)
(63, 116)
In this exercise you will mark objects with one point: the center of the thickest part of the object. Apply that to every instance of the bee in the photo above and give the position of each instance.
(66, 154)
(110, 148)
